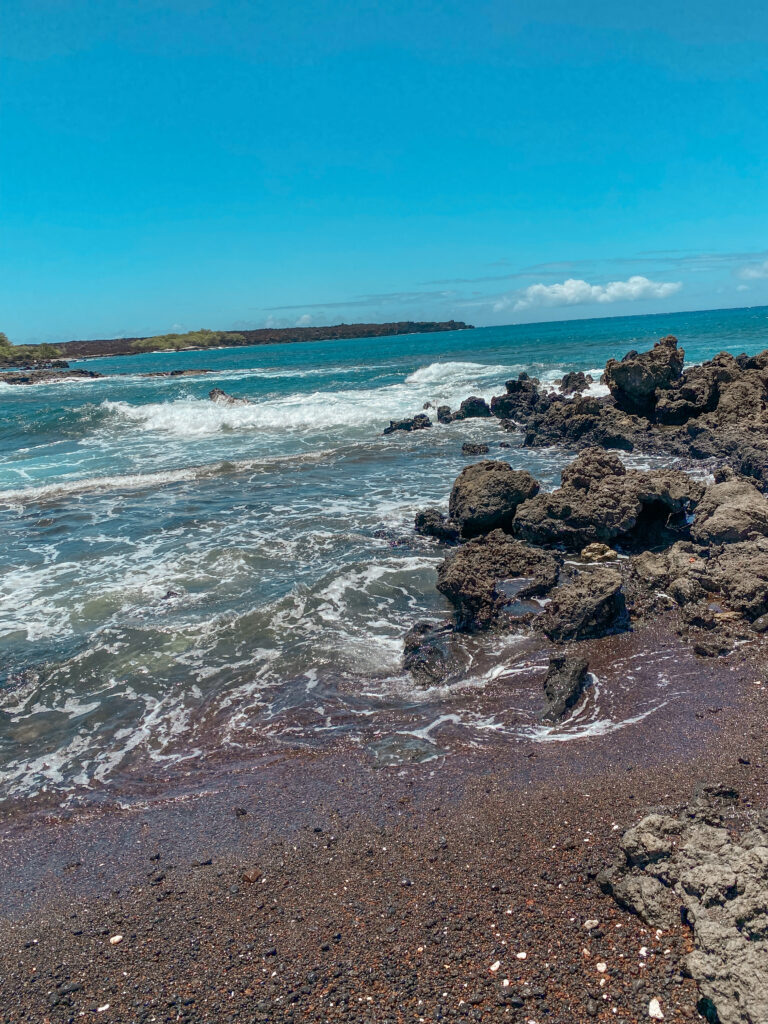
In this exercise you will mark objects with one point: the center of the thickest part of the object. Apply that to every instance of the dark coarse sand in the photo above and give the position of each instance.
(314, 886)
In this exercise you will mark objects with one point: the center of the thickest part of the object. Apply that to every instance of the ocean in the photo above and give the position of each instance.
(181, 578)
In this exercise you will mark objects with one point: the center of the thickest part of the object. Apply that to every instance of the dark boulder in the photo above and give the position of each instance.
(472, 408)
(444, 414)
(635, 379)
(472, 576)
(431, 522)
(418, 422)
(470, 448)
(575, 382)
(564, 685)
(486, 495)
(521, 400)
(592, 606)
(433, 654)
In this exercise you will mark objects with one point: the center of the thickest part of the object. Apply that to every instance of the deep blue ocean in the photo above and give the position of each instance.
(179, 575)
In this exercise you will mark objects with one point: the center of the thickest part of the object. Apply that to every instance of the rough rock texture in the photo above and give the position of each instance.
(444, 414)
(431, 522)
(564, 685)
(471, 577)
(597, 553)
(711, 869)
(471, 448)
(733, 575)
(586, 421)
(418, 422)
(593, 605)
(44, 376)
(634, 507)
(730, 511)
(472, 408)
(575, 382)
(433, 654)
(486, 496)
(634, 380)
(521, 400)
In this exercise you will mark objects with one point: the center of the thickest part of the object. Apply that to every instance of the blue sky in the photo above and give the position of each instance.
(186, 163)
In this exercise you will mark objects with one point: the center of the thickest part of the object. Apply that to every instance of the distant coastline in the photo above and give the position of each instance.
(268, 336)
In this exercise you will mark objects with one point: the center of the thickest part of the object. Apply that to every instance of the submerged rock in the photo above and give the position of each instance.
(470, 448)
(433, 654)
(564, 685)
(471, 577)
(711, 871)
(418, 422)
(592, 606)
(635, 379)
(485, 496)
(217, 395)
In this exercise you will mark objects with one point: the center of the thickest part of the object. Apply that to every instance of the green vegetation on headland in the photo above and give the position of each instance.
(192, 339)
(25, 355)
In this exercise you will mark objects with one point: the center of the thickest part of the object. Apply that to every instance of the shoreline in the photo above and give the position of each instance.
(246, 895)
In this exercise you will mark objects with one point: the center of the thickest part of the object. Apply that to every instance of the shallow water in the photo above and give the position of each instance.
(179, 575)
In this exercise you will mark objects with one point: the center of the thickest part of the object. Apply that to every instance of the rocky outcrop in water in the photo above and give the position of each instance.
(592, 605)
(709, 866)
(431, 522)
(521, 400)
(433, 654)
(472, 576)
(635, 380)
(486, 496)
(471, 448)
(217, 395)
(47, 376)
(418, 422)
(564, 684)
(472, 408)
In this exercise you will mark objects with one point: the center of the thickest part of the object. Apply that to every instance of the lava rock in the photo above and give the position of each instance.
(593, 605)
(434, 654)
(472, 408)
(731, 511)
(470, 448)
(486, 496)
(431, 522)
(564, 685)
(418, 422)
(470, 577)
(575, 382)
(634, 380)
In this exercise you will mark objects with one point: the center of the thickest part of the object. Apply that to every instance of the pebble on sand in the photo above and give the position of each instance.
(116, 939)
(654, 1010)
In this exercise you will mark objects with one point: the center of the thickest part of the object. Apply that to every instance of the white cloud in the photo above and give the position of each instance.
(742, 287)
(304, 320)
(575, 292)
(754, 271)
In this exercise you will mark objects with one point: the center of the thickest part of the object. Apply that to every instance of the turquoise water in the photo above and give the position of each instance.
(179, 574)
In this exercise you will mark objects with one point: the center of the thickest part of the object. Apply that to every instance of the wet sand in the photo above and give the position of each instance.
(321, 885)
